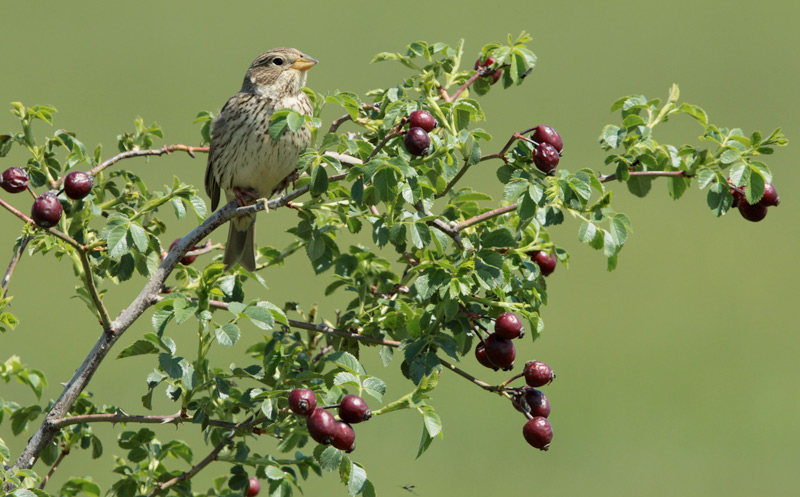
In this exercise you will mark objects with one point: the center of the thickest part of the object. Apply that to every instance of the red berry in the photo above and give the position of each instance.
(302, 401)
(321, 426)
(486, 63)
(508, 326)
(546, 262)
(353, 409)
(538, 432)
(77, 185)
(500, 352)
(46, 210)
(538, 373)
(770, 197)
(538, 404)
(546, 158)
(254, 487)
(752, 212)
(185, 260)
(14, 180)
(417, 141)
(344, 438)
(422, 119)
(480, 354)
(545, 134)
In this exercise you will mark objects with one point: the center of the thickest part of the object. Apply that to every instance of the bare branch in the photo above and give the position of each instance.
(674, 174)
(64, 453)
(483, 217)
(121, 417)
(166, 149)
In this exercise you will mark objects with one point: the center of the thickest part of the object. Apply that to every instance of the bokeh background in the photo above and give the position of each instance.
(677, 373)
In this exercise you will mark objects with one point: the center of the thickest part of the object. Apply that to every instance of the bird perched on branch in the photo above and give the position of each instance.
(243, 160)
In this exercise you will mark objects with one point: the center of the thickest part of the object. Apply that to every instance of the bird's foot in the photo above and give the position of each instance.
(244, 196)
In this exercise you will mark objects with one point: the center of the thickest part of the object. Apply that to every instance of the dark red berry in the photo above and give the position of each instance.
(538, 373)
(186, 260)
(46, 210)
(545, 261)
(508, 326)
(537, 402)
(546, 158)
(486, 63)
(302, 401)
(353, 409)
(422, 119)
(344, 438)
(321, 426)
(770, 197)
(538, 432)
(545, 134)
(417, 141)
(480, 354)
(14, 180)
(500, 352)
(77, 185)
(254, 487)
(752, 212)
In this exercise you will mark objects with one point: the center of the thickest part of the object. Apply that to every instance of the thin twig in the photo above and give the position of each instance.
(166, 149)
(52, 231)
(88, 276)
(448, 98)
(187, 475)
(678, 174)
(53, 468)
(176, 419)
(483, 217)
(396, 131)
(347, 117)
(476, 381)
(12, 265)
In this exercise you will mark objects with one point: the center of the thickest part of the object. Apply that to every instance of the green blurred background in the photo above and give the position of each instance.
(677, 373)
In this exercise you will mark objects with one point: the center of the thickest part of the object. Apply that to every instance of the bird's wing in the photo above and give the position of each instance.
(215, 151)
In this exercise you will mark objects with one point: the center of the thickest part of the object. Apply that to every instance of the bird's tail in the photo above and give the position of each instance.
(241, 246)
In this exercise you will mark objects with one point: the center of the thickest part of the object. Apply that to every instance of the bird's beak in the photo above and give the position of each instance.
(304, 63)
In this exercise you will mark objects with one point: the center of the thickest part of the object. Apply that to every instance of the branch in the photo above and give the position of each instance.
(52, 231)
(146, 298)
(88, 275)
(396, 131)
(483, 217)
(187, 475)
(448, 98)
(678, 174)
(347, 117)
(176, 419)
(166, 149)
(61, 456)
(12, 265)
(464, 374)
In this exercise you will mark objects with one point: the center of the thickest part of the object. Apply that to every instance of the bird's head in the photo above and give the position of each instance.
(279, 71)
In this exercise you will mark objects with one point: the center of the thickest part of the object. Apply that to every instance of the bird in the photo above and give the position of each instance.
(243, 160)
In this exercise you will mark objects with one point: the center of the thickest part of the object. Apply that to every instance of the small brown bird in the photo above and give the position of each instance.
(243, 160)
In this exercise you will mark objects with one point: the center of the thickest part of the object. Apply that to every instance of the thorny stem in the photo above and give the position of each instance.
(12, 265)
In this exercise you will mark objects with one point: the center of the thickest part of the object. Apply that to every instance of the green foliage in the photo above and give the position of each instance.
(443, 257)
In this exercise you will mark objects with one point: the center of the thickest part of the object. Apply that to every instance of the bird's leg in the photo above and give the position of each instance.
(245, 195)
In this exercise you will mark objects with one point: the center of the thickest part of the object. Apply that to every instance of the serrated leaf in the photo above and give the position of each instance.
(319, 181)
(719, 199)
(343, 377)
(500, 237)
(347, 361)
(275, 473)
(330, 458)
(227, 334)
(171, 365)
(357, 479)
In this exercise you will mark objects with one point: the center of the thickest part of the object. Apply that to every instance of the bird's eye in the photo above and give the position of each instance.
(277, 61)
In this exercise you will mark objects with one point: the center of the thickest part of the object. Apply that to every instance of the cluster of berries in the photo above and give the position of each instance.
(534, 404)
(547, 148)
(416, 139)
(758, 211)
(46, 210)
(321, 424)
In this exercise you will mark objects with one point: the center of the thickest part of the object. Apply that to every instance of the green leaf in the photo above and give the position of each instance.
(278, 124)
(731, 155)
(139, 347)
(347, 361)
(501, 237)
(319, 181)
(358, 477)
(420, 235)
(433, 424)
(720, 199)
(227, 334)
(275, 473)
(295, 120)
(117, 239)
(330, 458)
(171, 365)
(76, 485)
